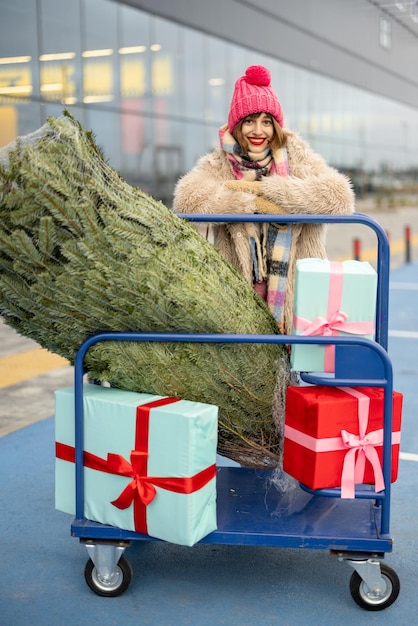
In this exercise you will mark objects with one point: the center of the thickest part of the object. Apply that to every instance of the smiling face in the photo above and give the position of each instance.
(257, 131)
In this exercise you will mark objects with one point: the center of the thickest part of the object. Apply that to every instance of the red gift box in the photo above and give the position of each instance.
(334, 436)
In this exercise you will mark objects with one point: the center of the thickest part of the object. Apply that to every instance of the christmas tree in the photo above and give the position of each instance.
(82, 252)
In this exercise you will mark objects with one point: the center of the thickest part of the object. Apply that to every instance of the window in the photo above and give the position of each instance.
(385, 32)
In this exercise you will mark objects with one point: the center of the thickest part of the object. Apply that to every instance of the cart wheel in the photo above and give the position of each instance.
(368, 599)
(115, 585)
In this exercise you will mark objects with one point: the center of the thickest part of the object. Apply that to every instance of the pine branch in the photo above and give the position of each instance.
(81, 251)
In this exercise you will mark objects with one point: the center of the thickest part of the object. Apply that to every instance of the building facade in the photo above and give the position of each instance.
(153, 79)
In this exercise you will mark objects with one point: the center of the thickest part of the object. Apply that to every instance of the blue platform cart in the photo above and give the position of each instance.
(356, 531)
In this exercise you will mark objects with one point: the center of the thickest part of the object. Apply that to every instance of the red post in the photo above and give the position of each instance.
(407, 244)
(356, 249)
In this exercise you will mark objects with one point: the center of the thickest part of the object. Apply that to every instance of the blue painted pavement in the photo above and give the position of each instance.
(42, 565)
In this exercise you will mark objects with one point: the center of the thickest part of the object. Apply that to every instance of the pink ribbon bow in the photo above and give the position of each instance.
(361, 447)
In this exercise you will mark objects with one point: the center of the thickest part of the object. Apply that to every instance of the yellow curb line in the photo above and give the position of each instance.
(24, 365)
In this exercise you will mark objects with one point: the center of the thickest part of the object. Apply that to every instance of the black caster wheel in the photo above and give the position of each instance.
(370, 600)
(113, 586)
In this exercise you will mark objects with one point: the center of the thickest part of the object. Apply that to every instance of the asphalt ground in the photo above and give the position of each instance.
(43, 581)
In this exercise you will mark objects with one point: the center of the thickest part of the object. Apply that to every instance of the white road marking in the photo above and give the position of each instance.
(406, 286)
(408, 456)
(405, 334)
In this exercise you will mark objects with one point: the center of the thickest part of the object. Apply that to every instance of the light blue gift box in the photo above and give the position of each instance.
(312, 284)
(182, 441)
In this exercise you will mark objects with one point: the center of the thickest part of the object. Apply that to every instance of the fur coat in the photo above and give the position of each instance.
(313, 187)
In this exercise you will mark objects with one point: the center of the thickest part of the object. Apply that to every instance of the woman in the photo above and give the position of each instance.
(261, 167)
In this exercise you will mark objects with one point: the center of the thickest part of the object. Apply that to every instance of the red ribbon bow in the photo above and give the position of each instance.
(140, 487)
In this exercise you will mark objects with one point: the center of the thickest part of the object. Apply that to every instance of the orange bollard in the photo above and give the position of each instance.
(407, 244)
(356, 249)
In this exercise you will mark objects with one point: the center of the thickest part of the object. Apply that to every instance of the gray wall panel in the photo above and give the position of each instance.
(337, 38)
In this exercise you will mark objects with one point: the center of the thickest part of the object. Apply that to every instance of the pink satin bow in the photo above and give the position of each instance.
(361, 447)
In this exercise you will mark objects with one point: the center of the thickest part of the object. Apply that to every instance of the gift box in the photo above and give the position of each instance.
(331, 298)
(149, 462)
(334, 436)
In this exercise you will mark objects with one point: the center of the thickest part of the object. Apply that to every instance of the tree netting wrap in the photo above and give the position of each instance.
(82, 252)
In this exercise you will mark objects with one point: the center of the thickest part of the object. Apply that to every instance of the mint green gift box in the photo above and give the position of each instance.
(355, 295)
(182, 441)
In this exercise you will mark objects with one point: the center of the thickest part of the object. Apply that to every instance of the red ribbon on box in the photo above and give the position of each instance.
(141, 490)
(335, 321)
(360, 447)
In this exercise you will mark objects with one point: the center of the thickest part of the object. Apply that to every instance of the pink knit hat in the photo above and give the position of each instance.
(253, 94)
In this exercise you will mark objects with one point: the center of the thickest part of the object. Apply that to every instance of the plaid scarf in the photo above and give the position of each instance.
(269, 245)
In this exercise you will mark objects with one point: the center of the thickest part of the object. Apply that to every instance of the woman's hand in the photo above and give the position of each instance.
(250, 186)
(262, 204)
(267, 207)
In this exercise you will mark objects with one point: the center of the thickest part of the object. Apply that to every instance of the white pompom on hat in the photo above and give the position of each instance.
(253, 94)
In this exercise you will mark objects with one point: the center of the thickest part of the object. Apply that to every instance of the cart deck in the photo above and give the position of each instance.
(253, 511)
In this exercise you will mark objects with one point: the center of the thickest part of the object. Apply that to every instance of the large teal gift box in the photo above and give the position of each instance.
(331, 298)
(149, 462)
